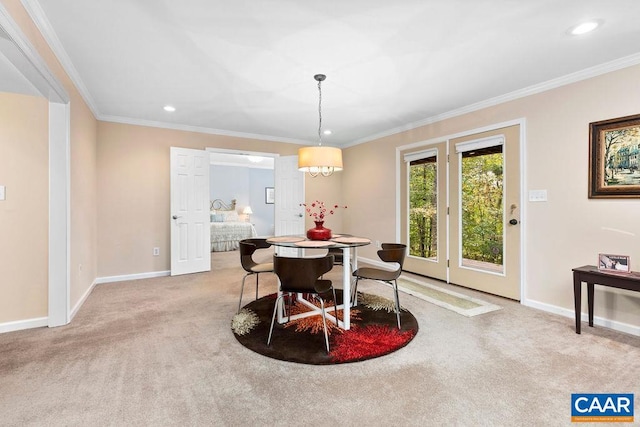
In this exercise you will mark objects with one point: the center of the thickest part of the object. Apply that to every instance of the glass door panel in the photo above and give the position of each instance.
(424, 209)
(482, 208)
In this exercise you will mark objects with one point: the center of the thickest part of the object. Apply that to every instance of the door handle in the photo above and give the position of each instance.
(176, 216)
(300, 215)
(513, 221)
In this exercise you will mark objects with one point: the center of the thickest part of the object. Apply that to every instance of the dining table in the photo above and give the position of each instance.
(349, 246)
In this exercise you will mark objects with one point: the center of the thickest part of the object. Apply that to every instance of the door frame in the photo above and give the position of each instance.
(521, 122)
(29, 62)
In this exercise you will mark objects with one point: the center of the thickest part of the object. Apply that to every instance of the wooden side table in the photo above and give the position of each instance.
(592, 276)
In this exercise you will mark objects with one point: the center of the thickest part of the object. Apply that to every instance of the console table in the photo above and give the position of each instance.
(592, 276)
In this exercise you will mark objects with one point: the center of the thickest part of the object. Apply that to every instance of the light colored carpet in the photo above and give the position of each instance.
(445, 298)
(160, 352)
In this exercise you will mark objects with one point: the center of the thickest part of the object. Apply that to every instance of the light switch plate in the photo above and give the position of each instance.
(537, 195)
(2, 192)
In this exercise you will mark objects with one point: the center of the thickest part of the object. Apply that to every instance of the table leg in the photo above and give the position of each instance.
(346, 287)
(577, 298)
(590, 287)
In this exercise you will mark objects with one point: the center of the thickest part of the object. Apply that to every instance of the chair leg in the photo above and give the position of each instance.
(354, 294)
(335, 304)
(273, 318)
(395, 289)
(241, 292)
(257, 280)
(324, 322)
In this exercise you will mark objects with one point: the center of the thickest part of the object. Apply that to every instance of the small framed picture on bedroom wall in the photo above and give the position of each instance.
(269, 195)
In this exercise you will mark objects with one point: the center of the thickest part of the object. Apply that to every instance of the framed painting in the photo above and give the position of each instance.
(614, 158)
(269, 195)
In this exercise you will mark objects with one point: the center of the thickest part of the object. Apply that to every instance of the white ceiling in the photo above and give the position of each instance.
(245, 67)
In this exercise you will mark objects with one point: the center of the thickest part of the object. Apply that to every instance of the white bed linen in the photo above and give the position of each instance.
(226, 236)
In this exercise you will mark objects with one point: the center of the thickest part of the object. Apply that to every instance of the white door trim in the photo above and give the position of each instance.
(28, 61)
(59, 215)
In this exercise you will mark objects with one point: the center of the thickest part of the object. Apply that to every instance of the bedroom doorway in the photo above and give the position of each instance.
(248, 178)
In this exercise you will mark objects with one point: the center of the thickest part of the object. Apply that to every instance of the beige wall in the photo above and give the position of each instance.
(24, 156)
(83, 125)
(134, 191)
(567, 231)
(328, 190)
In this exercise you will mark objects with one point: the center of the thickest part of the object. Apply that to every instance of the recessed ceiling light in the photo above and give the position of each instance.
(584, 28)
(327, 132)
(169, 108)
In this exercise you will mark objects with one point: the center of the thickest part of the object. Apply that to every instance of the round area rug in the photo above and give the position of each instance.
(373, 332)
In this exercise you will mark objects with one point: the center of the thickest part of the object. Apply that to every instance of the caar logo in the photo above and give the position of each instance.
(602, 407)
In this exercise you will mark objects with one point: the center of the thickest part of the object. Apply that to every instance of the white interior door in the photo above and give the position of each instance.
(289, 187)
(190, 219)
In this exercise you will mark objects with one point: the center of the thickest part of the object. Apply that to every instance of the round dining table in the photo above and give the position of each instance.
(294, 246)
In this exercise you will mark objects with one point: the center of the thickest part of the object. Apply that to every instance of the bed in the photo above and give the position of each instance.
(227, 229)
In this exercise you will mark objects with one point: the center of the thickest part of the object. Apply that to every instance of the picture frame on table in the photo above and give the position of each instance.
(269, 195)
(614, 158)
(614, 263)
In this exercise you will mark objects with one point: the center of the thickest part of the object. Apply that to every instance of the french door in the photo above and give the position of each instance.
(461, 210)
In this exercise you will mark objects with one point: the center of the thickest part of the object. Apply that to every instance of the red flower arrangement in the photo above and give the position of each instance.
(317, 210)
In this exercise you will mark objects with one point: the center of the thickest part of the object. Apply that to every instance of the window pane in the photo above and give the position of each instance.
(423, 208)
(482, 209)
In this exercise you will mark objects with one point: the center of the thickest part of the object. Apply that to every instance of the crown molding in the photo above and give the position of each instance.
(38, 16)
(587, 73)
(198, 129)
(41, 77)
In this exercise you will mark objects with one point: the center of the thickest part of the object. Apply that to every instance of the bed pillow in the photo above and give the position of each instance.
(216, 217)
(230, 216)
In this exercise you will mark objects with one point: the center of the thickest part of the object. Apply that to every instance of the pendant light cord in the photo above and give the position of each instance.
(320, 111)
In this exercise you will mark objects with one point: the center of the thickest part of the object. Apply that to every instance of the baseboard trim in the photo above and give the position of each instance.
(137, 276)
(81, 301)
(600, 321)
(20, 325)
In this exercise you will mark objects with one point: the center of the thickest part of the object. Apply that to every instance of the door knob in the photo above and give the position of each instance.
(300, 215)
(513, 221)
(176, 217)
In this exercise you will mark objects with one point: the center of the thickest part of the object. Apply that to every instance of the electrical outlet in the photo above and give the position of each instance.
(156, 251)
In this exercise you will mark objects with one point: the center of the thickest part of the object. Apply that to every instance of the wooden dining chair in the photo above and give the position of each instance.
(247, 249)
(391, 253)
(303, 275)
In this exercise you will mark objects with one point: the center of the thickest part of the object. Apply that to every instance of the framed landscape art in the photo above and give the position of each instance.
(614, 158)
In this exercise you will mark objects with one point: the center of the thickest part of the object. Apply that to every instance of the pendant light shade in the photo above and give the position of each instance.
(319, 160)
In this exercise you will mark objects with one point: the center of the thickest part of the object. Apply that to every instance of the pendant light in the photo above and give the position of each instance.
(319, 159)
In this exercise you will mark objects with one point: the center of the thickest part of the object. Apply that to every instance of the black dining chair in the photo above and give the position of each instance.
(390, 253)
(302, 275)
(247, 249)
